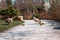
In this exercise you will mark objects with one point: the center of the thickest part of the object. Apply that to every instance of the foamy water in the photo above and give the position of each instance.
(33, 31)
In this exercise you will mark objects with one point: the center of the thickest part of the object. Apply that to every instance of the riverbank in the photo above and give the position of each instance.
(4, 26)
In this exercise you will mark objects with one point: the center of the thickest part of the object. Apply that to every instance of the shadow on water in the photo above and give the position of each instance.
(57, 28)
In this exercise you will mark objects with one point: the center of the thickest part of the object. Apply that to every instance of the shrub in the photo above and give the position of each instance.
(9, 12)
(36, 15)
(40, 8)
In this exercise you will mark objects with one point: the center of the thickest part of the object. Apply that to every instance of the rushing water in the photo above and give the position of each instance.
(33, 31)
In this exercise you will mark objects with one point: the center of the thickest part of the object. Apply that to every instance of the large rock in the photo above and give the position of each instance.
(20, 18)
